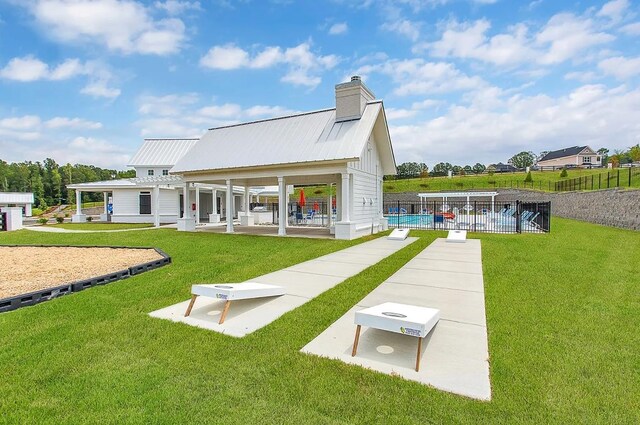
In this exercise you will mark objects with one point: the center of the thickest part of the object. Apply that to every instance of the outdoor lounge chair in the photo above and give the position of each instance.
(309, 217)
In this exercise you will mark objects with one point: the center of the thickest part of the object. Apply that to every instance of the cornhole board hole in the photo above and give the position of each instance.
(457, 236)
(398, 235)
(232, 292)
(400, 318)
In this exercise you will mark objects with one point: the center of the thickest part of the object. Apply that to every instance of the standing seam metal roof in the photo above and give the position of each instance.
(302, 138)
(575, 150)
(161, 152)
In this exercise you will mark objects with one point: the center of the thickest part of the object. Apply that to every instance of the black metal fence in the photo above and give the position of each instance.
(3, 222)
(475, 216)
(613, 178)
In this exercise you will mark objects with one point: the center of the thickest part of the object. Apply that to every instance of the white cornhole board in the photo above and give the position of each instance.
(400, 318)
(398, 235)
(237, 291)
(459, 236)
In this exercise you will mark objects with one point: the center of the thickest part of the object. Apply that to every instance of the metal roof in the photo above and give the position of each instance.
(161, 152)
(143, 182)
(295, 139)
(16, 198)
(575, 150)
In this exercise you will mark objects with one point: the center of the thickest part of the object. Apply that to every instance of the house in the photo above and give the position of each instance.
(576, 156)
(347, 146)
(502, 168)
(17, 199)
(155, 196)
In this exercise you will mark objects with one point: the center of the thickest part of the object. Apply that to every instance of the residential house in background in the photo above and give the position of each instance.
(502, 168)
(576, 156)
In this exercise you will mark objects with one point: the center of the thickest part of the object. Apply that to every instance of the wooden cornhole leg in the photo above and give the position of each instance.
(224, 312)
(193, 301)
(418, 357)
(355, 343)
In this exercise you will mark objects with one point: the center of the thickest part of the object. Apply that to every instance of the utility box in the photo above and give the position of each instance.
(13, 218)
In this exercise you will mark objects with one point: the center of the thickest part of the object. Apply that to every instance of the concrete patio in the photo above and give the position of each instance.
(455, 358)
(302, 282)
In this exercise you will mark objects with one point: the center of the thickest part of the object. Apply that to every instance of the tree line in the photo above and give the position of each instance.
(48, 181)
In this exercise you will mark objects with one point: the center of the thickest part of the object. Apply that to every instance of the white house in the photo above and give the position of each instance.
(23, 200)
(577, 156)
(347, 146)
(154, 196)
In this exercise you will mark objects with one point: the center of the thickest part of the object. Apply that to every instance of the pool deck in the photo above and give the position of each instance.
(445, 276)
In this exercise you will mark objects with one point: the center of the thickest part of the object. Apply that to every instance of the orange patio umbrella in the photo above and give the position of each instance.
(302, 200)
(316, 207)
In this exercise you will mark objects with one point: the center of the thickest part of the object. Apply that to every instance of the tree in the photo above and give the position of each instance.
(604, 156)
(522, 159)
(441, 169)
(479, 168)
(424, 170)
(528, 178)
(634, 153)
(409, 170)
(467, 169)
(563, 173)
(456, 169)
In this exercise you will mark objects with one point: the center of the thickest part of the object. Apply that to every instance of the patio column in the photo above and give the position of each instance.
(346, 200)
(229, 206)
(282, 207)
(156, 205)
(78, 202)
(105, 197)
(197, 204)
(329, 206)
(247, 199)
(214, 197)
(185, 200)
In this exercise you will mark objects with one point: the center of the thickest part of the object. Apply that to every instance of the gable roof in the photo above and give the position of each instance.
(561, 153)
(294, 139)
(161, 152)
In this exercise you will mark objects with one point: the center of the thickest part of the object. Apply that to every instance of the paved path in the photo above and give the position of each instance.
(302, 282)
(48, 229)
(446, 276)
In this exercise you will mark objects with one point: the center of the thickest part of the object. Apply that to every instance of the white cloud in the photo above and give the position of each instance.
(72, 123)
(399, 113)
(338, 28)
(631, 29)
(582, 76)
(166, 106)
(303, 65)
(24, 123)
(476, 132)
(177, 7)
(614, 10)
(403, 27)
(25, 69)
(124, 26)
(620, 67)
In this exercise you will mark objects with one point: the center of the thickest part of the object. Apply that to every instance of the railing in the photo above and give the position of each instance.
(616, 178)
(475, 216)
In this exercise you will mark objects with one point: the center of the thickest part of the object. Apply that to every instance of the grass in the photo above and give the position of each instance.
(562, 315)
(72, 207)
(100, 226)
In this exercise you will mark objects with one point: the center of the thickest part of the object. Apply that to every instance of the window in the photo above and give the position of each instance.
(149, 172)
(586, 160)
(165, 172)
(145, 202)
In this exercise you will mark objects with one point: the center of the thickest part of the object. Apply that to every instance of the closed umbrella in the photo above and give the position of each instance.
(302, 202)
(316, 207)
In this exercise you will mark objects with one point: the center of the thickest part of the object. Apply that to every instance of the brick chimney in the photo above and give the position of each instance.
(351, 99)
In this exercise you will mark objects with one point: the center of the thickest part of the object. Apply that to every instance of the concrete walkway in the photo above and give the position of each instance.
(47, 229)
(302, 282)
(446, 276)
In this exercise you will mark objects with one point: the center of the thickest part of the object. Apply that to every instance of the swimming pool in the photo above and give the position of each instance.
(410, 219)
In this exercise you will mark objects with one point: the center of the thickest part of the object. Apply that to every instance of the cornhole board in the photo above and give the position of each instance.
(399, 318)
(457, 236)
(398, 235)
(232, 292)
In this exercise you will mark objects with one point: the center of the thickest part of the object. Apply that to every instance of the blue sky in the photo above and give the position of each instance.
(463, 81)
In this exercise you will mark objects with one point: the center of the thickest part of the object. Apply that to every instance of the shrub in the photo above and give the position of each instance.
(425, 185)
(491, 173)
(389, 187)
(529, 178)
(60, 219)
(89, 218)
(459, 184)
(564, 173)
(493, 182)
(43, 220)
(66, 215)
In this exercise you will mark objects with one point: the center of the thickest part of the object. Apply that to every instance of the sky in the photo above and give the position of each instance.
(463, 81)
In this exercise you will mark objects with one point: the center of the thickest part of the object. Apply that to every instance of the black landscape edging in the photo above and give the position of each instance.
(33, 298)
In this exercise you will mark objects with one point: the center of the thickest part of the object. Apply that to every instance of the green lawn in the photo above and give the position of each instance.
(100, 226)
(562, 313)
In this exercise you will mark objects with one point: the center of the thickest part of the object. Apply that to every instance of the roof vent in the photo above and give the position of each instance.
(351, 99)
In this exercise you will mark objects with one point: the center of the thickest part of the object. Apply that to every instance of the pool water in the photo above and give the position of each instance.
(410, 219)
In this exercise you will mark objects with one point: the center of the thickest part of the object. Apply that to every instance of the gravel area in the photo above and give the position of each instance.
(26, 268)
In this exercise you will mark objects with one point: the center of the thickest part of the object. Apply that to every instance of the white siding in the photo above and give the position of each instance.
(169, 202)
(126, 202)
(365, 188)
(142, 172)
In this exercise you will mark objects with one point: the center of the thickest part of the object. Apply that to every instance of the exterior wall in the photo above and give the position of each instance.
(573, 160)
(126, 206)
(144, 171)
(25, 207)
(366, 190)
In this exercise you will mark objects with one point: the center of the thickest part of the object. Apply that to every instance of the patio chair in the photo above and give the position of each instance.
(309, 217)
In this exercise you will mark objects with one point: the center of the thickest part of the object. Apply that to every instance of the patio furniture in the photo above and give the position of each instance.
(232, 292)
(400, 318)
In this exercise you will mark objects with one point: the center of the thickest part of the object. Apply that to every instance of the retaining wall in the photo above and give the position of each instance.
(612, 207)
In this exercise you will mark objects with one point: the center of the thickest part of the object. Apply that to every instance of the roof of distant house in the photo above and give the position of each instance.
(161, 152)
(16, 197)
(561, 153)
